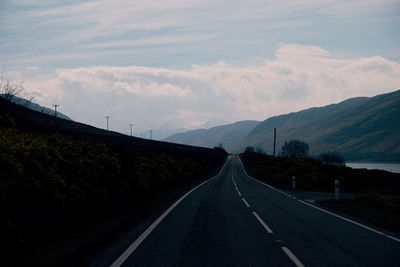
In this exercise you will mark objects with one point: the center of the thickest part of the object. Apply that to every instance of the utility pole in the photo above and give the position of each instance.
(131, 128)
(274, 140)
(151, 134)
(107, 121)
(55, 110)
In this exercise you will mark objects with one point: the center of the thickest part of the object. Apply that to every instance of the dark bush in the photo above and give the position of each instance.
(48, 180)
(249, 149)
(294, 149)
(312, 174)
(332, 158)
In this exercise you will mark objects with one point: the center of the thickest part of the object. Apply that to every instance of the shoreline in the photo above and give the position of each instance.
(385, 166)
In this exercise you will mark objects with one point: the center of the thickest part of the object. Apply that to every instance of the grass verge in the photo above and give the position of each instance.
(377, 192)
(380, 212)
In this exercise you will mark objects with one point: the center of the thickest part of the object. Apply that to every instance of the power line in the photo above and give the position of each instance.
(78, 113)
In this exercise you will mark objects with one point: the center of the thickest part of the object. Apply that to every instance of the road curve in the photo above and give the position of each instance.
(234, 220)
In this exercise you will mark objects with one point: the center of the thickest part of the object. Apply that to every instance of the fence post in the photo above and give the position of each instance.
(337, 190)
(294, 182)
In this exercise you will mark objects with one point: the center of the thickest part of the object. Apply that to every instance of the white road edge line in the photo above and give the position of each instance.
(263, 223)
(240, 194)
(245, 202)
(351, 221)
(295, 260)
(118, 262)
(328, 212)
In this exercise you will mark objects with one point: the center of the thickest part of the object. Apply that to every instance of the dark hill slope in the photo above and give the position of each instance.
(37, 122)
(31, 105)
(59, 178)
(359, 128)
(302, 118)
(227, 135)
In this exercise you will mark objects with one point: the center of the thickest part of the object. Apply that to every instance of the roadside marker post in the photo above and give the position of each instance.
(294, 182)
(337, 190)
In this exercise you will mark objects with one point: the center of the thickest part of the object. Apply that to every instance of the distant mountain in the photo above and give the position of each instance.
(169, 129)
(213, 123)
(28, 104)
(159, 134)
(361, 129)
(226, 135)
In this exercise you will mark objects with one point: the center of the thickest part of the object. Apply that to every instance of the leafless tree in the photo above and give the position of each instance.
(294, 148)
(14, 92)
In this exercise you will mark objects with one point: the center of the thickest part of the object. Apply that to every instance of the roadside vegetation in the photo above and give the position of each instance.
(51, 182)
(377, 192)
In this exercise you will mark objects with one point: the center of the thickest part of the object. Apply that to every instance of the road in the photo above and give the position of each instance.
(234, 220)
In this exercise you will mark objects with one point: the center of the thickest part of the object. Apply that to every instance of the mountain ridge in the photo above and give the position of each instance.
(360, 128)
(227, 135)
(33, 106)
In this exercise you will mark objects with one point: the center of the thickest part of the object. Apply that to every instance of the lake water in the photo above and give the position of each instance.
(391, 167)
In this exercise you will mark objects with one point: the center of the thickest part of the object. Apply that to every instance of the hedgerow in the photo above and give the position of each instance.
(48, 180)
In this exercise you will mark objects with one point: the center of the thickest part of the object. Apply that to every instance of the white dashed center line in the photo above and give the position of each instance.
(292, 257)
(287, 251)
(263, 223)
(245, 202)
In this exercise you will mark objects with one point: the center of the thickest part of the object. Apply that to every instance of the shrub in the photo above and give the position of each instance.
(294, 148)
(249, 149)
(332, 158)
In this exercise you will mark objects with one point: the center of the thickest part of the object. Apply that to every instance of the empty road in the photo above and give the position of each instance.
(234, 220)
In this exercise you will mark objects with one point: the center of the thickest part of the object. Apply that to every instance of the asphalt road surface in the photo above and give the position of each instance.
(234, 220)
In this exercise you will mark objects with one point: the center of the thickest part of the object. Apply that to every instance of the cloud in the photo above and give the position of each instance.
(155, 41)
(298, 77)
(180, 33)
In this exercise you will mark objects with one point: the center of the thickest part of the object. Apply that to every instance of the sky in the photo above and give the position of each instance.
(180, 63)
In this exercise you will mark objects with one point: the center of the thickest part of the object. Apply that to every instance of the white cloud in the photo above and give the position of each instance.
(154, 41)
(180, 33)
(298, 77)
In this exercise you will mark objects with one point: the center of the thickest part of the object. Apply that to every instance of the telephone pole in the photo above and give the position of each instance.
(131, 128)
(274, 140)
(55, 110)
(107, 121)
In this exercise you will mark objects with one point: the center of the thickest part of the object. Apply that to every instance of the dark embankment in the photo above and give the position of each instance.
(59, 176)
(377, 192)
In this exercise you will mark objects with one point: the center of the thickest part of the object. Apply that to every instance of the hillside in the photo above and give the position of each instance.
(31, 105)
(37, 122)
(227, 135)
(59, 178)
(361, 129)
